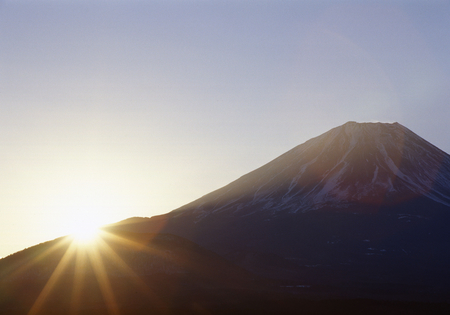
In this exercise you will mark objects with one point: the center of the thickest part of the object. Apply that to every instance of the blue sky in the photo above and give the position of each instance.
(113, 109)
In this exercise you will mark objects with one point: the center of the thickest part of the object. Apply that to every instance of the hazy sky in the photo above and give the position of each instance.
(114, 109)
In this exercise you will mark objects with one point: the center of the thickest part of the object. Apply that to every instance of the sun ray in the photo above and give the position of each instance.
(138, 246)
(112, 255)
(103, 280)
(78, 278)
(52, 280)
(22, 268)
(123, 266)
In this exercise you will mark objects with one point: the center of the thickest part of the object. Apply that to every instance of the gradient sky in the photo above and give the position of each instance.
(114, 109)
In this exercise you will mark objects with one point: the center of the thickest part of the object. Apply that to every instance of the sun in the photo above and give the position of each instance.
(86, 233)
(84, 224)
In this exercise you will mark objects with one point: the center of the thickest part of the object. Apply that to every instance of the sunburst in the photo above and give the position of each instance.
(87, 249)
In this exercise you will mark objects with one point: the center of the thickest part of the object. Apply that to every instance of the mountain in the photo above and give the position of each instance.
(351, 164)
(362, 209)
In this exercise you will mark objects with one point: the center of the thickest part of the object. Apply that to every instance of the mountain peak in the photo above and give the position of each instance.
(363, 131)
(353, 126)
(351, 165)
(371, 129)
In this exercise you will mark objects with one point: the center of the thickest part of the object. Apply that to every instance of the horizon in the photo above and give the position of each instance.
(113, 110)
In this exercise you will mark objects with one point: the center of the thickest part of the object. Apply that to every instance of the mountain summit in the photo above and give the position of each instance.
(353, 164)
(361, 203)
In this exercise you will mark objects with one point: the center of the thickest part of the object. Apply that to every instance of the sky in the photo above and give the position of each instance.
(115, 109)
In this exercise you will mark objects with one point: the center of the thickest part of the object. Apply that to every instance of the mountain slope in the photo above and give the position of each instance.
(361, 203)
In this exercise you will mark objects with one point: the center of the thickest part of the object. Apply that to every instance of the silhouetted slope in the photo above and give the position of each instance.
(157, 272)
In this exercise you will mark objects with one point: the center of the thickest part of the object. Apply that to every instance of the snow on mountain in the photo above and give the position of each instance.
(356, 163)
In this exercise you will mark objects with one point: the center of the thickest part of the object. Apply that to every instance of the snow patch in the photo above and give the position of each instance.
(375, 174)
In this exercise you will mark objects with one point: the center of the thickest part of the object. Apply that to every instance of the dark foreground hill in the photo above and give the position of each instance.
(363, 209)
(128, 273)
(120, 273)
